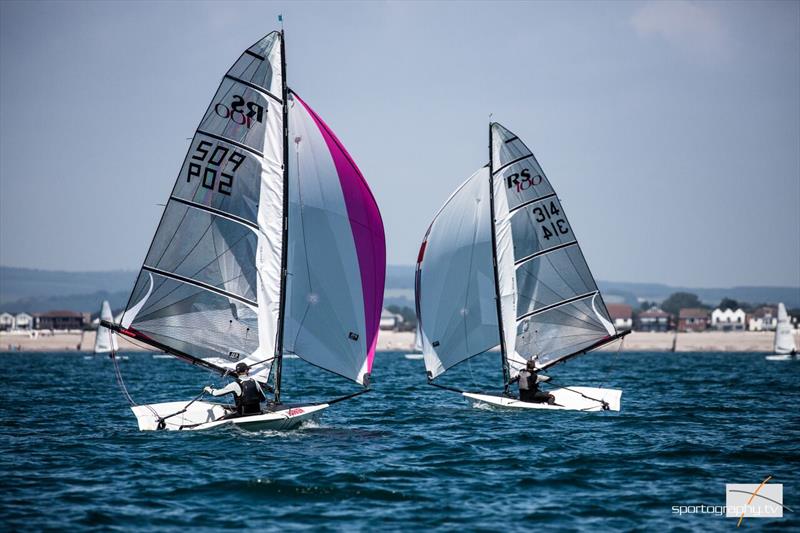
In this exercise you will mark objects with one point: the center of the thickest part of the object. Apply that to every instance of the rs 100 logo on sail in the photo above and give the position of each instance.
(241, 111)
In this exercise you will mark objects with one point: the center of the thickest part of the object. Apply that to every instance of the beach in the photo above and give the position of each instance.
(403, 341)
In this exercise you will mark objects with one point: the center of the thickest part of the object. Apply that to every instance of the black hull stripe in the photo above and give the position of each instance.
(529, 202)
(559, 304)
(200, 285)
(254, 87)
(544, 252)
(231, 142)
(511, 163)
(217, 212)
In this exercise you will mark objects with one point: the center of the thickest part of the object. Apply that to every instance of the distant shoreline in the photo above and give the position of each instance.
(638, 341)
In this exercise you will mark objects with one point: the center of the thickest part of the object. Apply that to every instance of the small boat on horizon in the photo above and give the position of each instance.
(784, 347)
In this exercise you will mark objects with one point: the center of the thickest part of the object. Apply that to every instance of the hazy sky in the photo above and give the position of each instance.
(671, 130)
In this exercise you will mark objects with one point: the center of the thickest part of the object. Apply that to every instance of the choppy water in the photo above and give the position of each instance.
(405, 455)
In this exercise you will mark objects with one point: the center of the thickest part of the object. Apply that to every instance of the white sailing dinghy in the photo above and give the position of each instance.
(104, 341)
(500, 265)
(784, 346)
(270, 244)
(416, 355)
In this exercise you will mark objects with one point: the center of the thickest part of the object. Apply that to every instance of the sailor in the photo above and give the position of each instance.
(528, 381)
(246, 392)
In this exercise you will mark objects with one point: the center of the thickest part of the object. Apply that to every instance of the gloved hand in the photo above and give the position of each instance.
(208, 389)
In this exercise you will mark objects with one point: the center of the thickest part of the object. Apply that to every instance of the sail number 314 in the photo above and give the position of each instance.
(551, 224)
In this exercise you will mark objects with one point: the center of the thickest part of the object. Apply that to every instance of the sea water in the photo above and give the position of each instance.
(406, 455)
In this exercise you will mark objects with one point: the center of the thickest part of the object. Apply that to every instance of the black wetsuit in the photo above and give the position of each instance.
(529, 388)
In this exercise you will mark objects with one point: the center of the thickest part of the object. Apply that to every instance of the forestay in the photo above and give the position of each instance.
(210, 284)
(784, 338)
(550, 305)
(455, 289)
(337, 252)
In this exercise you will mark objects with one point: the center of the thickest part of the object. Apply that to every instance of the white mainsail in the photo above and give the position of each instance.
(105, 341)
(540, 300)
(266, 247)
(784, 337)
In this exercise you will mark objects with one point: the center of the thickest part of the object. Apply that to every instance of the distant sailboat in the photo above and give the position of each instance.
(416, 355)
(104, 341)
(500, 265)
(270, 245)
(784, 346)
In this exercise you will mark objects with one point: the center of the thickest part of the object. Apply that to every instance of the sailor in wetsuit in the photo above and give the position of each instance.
(528, 381)
(246, 392)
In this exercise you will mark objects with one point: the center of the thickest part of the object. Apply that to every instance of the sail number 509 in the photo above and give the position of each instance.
(211, 175)
(552, 225)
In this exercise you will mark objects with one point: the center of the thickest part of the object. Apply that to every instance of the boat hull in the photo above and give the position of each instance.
(206, 415)
(566, 399)
(783, 357)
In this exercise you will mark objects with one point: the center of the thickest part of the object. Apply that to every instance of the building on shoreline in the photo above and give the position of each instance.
(765, 318)
(693, 319)
(654, 319)
(61, 320)
(621, 315)
(728, 319)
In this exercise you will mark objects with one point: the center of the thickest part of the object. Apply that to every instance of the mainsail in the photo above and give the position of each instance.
(501, 265)
(104, 340)
(784, 337)
(265, 246)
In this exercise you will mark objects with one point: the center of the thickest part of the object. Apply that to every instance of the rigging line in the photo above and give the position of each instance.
(162, 419)
(556, 305)
(601, 402)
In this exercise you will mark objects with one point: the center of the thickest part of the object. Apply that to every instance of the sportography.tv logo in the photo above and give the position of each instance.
(745, 500)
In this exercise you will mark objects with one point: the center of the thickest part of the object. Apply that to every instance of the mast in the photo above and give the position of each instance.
(284, 251)
(503, 359)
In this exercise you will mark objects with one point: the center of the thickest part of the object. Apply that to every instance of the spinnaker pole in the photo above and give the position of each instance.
(503, 358)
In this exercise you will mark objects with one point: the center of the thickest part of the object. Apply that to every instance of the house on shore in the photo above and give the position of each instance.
(693, 319)
(654, 319)
(24, 322)
(61, 320)
(621, 315)
(728, 319)
(390, 321)
(765, 318)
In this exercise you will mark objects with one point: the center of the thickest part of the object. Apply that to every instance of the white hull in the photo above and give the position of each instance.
(414, 356)
(206, 415)
(783, 357)
(566, 399)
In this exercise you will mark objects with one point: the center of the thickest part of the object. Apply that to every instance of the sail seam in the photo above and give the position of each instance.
(558, 304)
(217, 212)
(544, 252)
(529, 202)
(231, 141)
(254, 87)
(199, 284)
(511, 163)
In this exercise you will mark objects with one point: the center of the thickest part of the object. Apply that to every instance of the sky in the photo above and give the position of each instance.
(671, 130)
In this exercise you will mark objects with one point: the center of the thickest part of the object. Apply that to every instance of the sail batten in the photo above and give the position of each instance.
(255, 87)
(546, 251)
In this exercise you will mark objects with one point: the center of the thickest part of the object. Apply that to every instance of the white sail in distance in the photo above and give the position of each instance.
(105, 340)
(784, 337)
